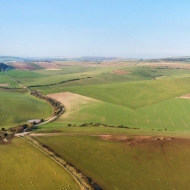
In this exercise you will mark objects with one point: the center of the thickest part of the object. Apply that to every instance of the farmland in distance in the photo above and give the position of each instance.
(125, 124)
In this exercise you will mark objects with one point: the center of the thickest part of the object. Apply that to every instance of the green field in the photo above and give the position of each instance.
(174, 116)
(99, 75)
(151, 104)
(45, 77)
(5, 80)
(120, 165)
(147, 98)
(17, 107)
(22, 168)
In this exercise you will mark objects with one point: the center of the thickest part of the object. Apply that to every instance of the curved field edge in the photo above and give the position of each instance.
(16, 108)
(24, 169)
(134, 94)
(82, 109)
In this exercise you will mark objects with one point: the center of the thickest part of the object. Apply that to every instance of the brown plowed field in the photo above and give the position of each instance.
(23, 66)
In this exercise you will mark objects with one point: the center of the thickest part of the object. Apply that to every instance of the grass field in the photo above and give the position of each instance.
(5, 81)
(135, 94)
(44, 77)
(81, 109)
(99, 74)
(21, 168)
(145, 96)
(117, 164)
(17, 107)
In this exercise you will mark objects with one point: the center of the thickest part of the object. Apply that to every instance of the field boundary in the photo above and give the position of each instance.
(84, 182)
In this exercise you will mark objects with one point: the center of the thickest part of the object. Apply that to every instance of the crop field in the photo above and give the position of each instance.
(126, 162)
(118, 122)
(5, 81)
(81, 109)
(25, 66)
(52, 76)
(136, 94)
(17, 107)
(21, 168)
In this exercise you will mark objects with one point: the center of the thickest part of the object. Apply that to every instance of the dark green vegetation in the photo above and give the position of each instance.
(5, 136)
(3, 67)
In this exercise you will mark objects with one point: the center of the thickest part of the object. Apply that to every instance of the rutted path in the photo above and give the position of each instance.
(79, 177)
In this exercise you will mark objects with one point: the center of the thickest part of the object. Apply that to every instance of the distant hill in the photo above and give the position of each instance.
(171, 59)
(3, 67)
(91, 58)
(10, 59)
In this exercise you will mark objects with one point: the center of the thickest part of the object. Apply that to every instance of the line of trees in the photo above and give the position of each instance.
(22, 128)
(70, 80)
(58, 108)
(3, 67)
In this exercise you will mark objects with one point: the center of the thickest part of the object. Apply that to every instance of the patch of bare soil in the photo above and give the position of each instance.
(52, 69)
(55, 131)
(186, 96)
(23, 66)
(4, 85)
(47, 65)
(5, 138)
(133, 139)
(120, 72)
(72, 102)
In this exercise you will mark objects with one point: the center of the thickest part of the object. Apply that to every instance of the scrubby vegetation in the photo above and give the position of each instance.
(57, 106)
(3, 67)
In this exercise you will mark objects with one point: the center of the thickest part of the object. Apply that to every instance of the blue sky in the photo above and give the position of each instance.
(74, 28)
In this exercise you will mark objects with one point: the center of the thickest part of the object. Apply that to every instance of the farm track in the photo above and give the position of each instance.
(17, 81)
(84, 182)
(25, 87)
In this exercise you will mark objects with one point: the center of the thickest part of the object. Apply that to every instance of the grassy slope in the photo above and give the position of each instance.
(174, 116)
(161, 109)
(117, 165)
(136, 94)
(18, 107)
(99, 75)
(4, 79)
(42, 77)
(24, 167)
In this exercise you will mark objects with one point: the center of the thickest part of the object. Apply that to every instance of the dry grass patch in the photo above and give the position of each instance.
(4, 85)
(120, 72)
(23, 66)
(186, 96)
(72, 102)
(47, 65)
(52, 69)
(139, 139)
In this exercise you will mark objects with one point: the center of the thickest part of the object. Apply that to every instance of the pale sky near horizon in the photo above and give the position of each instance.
(74, 28)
